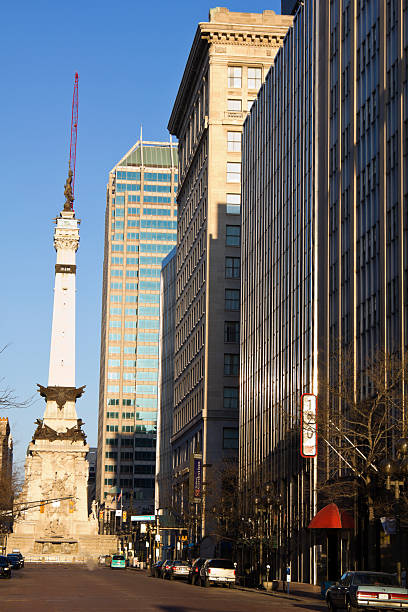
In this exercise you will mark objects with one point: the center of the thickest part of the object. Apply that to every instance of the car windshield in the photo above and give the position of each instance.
(118, 558)
(375, 580)
(13, 557)
(180, 563)
(221, 563)
(3, 562)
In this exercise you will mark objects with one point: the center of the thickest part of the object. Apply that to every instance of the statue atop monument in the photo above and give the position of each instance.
(69, 197)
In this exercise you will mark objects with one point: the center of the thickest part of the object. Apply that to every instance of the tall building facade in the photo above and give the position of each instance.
(140, 230)
(164, 457)
(325, 257)
(164, 460)
(228, 61)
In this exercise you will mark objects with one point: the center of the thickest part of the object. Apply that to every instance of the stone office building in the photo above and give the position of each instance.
(228, 61)
(324, 257)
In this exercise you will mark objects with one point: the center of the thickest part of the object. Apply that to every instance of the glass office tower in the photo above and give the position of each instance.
(324, 253)
(140, 230)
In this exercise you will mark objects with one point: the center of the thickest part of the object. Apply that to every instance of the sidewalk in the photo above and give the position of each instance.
(297, 590)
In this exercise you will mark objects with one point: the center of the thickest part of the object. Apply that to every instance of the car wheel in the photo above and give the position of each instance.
(331, 605)
(231, 585)
(350, 607)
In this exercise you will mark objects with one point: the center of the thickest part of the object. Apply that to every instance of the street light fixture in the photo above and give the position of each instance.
(396, 476)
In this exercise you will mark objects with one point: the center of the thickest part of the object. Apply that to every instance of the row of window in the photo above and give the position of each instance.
(151, 199)
(144, 248)
(132, 442)
(254, 76)
(132, 456)
(141, 349)
(143, 483)
(148, 176)
(234, 105)
(142, 285)
(148, 364)
(120, 187)
(133, 261)
(131, 469)
(133, 299)
(144, 311)
(138, 388)
(139, 376)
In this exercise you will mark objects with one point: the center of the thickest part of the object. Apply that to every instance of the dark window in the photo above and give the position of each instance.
(231, 331)
(144, 483)
(232, 299)
(126, 469)
(231, 364)
(233, 235)
(232, 267)
(230, 397)
(145, 442)
(221, 563)
(145, 455)
(230, 437)
(144, 469)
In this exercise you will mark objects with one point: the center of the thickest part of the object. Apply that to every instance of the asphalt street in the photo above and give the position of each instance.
(67, 588)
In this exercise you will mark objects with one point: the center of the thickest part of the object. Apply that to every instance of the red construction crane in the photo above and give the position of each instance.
(74, 130)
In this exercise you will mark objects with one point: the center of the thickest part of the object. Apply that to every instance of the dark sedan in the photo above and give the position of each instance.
(156, 569)
(16, 560)
(367, 590)
(194, 573)
(5, 567)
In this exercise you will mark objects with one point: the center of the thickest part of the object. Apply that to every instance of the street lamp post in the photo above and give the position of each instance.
(396, 473)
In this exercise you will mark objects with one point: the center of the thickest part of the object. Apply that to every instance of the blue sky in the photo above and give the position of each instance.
(130, 57)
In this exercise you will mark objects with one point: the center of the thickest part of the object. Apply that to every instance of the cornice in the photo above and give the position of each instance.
(257, 35)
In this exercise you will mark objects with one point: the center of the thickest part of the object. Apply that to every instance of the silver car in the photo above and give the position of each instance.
(367, 590)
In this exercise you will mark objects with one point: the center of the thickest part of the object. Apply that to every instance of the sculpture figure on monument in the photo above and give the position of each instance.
(69, 198)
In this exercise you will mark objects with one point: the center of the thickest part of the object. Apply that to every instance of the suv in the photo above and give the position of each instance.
(16, 560)
(217, 571)
(194, 573)
(5, 569)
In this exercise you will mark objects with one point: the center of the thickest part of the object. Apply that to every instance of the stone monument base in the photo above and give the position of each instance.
(63, 550)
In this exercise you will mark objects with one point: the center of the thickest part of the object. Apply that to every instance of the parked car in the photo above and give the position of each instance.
(164, 567)
(194, 573)
(16, 560)
(177, 569)
(217, 571)
(5, 567)
(155, 569)
(367, 590)
(118, 562)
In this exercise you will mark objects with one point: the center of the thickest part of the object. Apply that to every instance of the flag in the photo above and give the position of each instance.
(120, 495)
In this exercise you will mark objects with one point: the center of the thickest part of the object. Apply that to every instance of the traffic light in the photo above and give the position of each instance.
(124, 516)
(71, 505)
(42, 508)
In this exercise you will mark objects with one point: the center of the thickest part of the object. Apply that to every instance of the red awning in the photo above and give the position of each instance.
(330, 517)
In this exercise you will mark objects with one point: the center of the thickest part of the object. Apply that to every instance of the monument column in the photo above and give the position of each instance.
(56, 470)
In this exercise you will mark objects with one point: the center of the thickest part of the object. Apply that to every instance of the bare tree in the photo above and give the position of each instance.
(362, 420)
